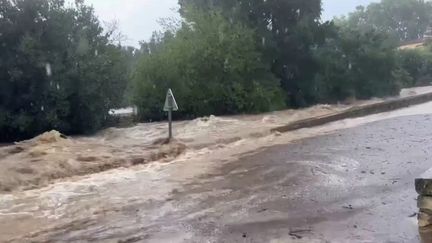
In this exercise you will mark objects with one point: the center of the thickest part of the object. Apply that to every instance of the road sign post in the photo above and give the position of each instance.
(170, 136)
(170, 106)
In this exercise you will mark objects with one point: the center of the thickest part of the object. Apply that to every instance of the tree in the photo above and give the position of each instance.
(357, 64)
(57, 69)
(404, 20)
(286, 32)
(418, 63)
(212, 65)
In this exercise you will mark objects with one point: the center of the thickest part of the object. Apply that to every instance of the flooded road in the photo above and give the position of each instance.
(51, 157)
(348, 181)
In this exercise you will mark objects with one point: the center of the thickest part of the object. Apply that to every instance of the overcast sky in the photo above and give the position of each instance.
(139, 18)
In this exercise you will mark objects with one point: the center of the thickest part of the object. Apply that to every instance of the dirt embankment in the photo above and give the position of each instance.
(50, 156)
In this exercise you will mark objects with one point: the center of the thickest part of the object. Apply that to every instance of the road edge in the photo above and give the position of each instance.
(355, 112)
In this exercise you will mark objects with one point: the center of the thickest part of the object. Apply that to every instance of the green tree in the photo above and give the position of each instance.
(357, 64)
(404, 20)
(286, 32)
(58, 69)
(418, 63)
(212, 65)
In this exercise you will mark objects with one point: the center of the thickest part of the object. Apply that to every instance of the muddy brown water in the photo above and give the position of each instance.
(36, 163)
(354, 185)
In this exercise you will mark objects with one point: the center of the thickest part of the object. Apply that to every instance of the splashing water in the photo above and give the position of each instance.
(48, 69)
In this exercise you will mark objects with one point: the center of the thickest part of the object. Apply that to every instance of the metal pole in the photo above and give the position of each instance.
(170, 124)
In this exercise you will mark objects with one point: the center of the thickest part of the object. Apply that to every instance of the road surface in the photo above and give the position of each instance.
(352, 185)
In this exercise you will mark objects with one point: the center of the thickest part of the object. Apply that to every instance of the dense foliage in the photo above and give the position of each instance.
(57, 69)
(356, 64)
(286, 32)
(213, 67)
(418, 63)
(403, 20)
(311, 61)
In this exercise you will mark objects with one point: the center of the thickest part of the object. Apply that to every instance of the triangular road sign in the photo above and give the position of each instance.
(170, 102)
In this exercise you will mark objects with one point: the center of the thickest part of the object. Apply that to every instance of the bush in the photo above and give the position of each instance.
(356, 64)
(418, 63)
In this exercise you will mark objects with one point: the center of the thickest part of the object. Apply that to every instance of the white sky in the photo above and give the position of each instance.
(139, 18)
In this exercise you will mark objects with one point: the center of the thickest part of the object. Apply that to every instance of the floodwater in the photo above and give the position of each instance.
(221, 181)
(45, 159)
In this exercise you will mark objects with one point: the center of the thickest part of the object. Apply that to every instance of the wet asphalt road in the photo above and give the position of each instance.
(355, 185)
(352, 186)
